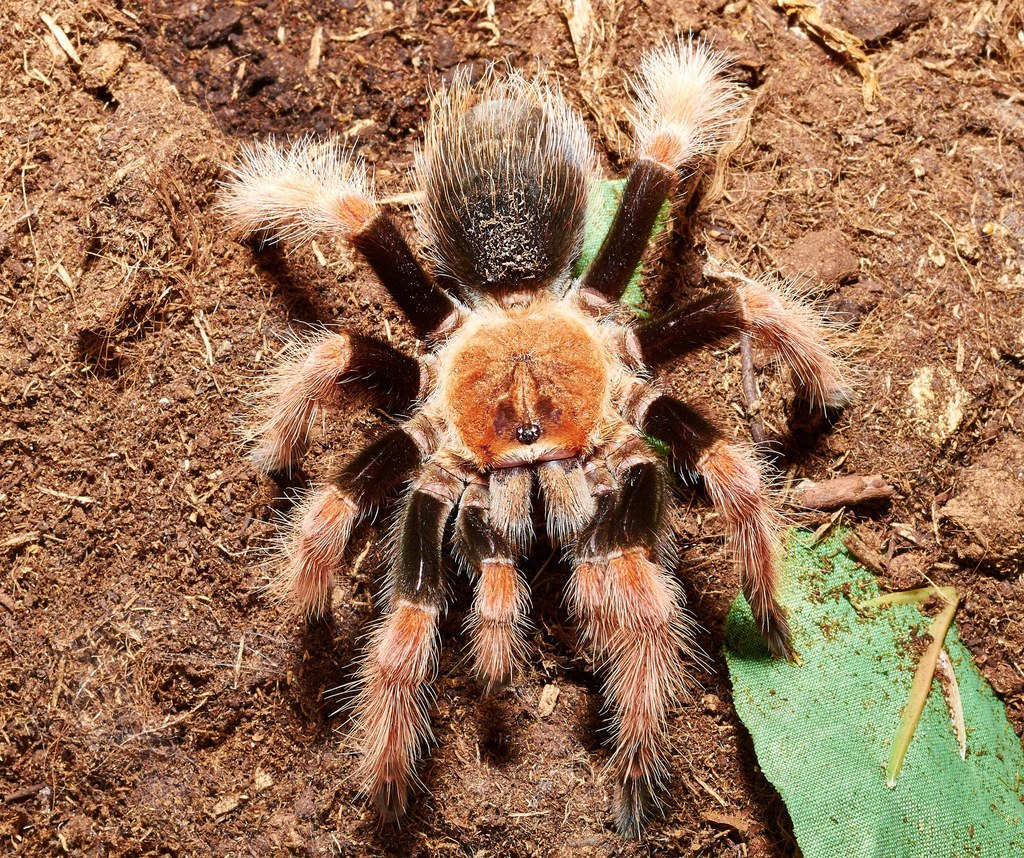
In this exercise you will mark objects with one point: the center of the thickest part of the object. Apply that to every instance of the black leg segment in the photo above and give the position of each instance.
(379, 469)
(424, 303)
(638, 518)
(418, 573)
(393, 376)
(648, 186)
(631, 516)
(478, 542)
(693, 326)
(685, 430)
(594, 540)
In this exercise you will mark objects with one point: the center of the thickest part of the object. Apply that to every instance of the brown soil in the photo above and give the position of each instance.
(150, 701)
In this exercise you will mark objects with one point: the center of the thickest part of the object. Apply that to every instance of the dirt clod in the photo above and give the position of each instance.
(216, 28)
(102, 63)
(821, 258)
(988, 506)
(875, 21)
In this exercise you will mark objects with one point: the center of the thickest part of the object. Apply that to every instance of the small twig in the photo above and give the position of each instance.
(85, 500)
(25, 215)
(864, 553)
(200, 322)
(751, 397)
(841, 491)
(362, 556)
(315, 48)
(356, 35)
(238, 661)
(543, 567)
(28, 223)
(171, 723)
(23, 793)
(712, 792)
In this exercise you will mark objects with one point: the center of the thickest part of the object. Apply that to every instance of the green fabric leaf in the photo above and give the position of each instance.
(823, 730)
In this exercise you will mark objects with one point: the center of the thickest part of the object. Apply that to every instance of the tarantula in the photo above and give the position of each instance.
(531, 377)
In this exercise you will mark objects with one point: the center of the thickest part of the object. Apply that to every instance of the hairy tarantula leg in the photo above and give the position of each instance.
(685, 107)
(778, 321)
(315, 188)
(392, 721)
(424, 303)
(511, 506)
(647, 187)
(498, 618)
(736, 486)
(324, 522)
(392, 724)
(307, 380)
(567, 499)
(631, 612)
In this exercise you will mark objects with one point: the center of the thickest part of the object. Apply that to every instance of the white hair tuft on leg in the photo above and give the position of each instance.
(293, 194)
(685, 103)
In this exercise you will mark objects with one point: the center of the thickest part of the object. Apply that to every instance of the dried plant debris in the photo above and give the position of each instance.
(593, 29)
(925, 672)
(843, 44)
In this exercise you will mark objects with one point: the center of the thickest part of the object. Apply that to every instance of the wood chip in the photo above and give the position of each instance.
(842, 491)
(736, 821)
(548, 699)
(17, 540)
(405, 199)
(316, 45)
(906, 532)
(261, 780)
(864, 554)
(62, 38)
(227, 804)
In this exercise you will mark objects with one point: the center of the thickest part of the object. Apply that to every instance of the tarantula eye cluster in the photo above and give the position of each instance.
(534, 384)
